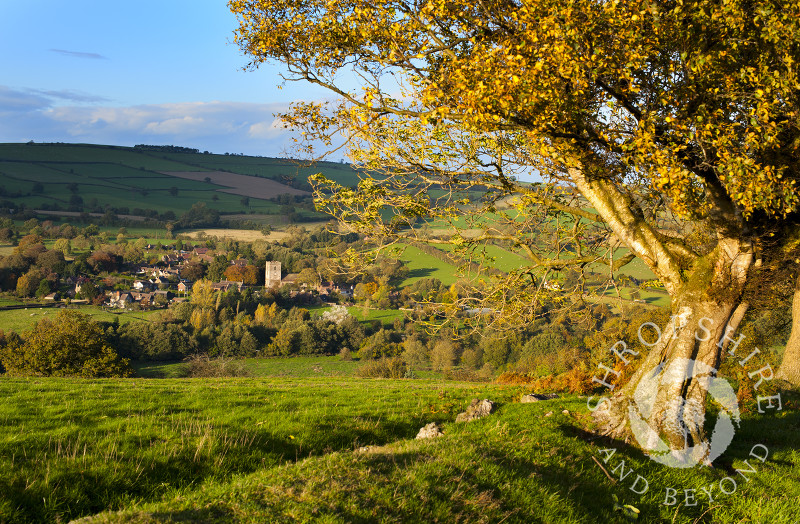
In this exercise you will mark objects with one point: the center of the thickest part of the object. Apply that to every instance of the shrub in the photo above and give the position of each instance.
(394, 367)
(71, 345)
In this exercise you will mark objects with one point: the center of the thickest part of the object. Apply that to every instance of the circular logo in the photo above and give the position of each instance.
(686, 413)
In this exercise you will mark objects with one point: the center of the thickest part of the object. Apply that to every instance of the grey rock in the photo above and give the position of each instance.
(477, 409)
(431, 430)
(535, 397)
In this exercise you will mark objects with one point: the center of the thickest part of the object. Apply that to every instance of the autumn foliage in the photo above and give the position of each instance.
(70, 345)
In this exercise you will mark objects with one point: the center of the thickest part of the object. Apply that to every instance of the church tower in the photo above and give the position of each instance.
(272, 275)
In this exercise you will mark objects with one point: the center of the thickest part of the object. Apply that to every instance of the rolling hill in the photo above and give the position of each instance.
(86, 177)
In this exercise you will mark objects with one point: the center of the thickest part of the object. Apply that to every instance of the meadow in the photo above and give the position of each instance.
(342, 450)
(422, 265)
(70, 448)
(21, 320)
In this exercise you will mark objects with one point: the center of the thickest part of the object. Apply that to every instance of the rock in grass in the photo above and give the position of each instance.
(533, 397)
(477, 409)
(431, 430)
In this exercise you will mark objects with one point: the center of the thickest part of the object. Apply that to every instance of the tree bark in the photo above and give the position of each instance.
(790, 365)
(663, 404)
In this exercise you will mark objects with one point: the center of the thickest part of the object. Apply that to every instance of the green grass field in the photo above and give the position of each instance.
(422, 265)
(298, 367)
(21, 320)
(71, 448)
(332, 450)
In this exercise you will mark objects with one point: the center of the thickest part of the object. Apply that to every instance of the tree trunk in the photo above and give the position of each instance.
(663, 404)
(790, 366)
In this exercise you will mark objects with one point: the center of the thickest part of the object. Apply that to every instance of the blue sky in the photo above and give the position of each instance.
(124, 73)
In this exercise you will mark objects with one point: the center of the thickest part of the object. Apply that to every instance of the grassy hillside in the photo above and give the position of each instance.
(304, 449)
(422, 265)
(48, 175)
(70, 448)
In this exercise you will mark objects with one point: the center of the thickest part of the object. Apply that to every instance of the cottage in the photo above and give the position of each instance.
(326, 288)
(226, 285)
(289, 279)
(165, 295)
(184, 286)
(144, 299)
(120, 299)
(142, 285)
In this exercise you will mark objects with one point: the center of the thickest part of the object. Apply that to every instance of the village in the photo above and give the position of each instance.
(163, 284)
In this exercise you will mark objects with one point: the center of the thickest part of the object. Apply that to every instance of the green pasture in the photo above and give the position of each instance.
(89, 153)
(386, 316)
(125, 177)
(316, 366)
(275, 168)
(422, 265)
(71, 448)
(20, 320)
(493, 256)
(298, 449)
(299, 367)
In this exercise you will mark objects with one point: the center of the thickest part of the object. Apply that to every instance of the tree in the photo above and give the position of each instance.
(444, 354)
(43, 288)
(309, 277)
(203, 293)
(28, 283)
(193, 271)
(217, 267)
(234, 273)
(63, 245)
(668, 129)
(71, 345)
(103, 261)
(415, 353)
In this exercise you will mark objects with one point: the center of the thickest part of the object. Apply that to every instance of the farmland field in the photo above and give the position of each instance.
(240, 184)
(52, 176)
(246, 235)
(21, 320)
(422, 265)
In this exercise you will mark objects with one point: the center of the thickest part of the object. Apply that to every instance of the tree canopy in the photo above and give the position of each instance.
(70, 345)
(669, 129)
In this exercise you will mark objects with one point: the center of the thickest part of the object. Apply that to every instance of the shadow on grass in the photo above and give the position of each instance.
(74, 488)
(420, 273)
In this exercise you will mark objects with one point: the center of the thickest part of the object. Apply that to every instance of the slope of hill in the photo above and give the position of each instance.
(85, 177)
(343, 450)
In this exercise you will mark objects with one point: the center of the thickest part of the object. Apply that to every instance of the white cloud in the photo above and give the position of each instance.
(218, 126)
(176, 126)
(267, 129)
